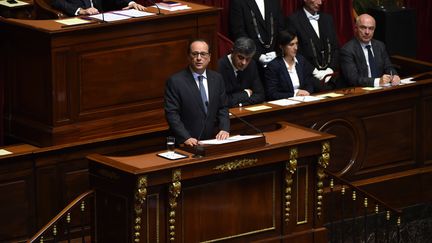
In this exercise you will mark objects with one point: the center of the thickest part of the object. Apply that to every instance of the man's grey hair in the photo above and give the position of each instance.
(244, 46)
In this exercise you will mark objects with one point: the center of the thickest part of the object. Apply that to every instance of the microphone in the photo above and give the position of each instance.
(248, 124)
(157, 6)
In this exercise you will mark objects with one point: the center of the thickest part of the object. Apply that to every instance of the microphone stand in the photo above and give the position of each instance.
(157, 6)
(249, 124)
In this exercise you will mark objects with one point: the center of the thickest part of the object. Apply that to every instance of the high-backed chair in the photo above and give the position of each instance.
(43, 9)
(224, 45)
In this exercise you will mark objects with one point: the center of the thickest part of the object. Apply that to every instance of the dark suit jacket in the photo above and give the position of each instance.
(353, 63)
(241, 23)
(300, 25)
(184, 109)
(70, 6)
(235, 86)
(278, 82)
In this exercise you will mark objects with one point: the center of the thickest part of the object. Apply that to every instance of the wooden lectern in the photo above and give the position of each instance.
(268, 193)
(213, 149)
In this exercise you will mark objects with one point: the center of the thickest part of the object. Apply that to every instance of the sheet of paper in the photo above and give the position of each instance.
(109, 17)
(172, 155)
(329, 95)
(305, 98)
(371, 88)
(258, 108)
(4, 152)
(133, 13)
(11, 5)
(284, 102)
(72, 21)
(173, 8)
(407, 81)
(229, 140)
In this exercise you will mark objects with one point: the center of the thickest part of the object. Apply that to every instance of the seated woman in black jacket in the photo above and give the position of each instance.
(290, 74)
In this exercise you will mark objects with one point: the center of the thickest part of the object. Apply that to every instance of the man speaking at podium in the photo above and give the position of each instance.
(196, 105)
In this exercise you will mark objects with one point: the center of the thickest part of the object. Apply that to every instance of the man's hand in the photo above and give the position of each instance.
(222, 135)
(88, 11)
(395, 80)
(135, 5)
(302, 92)
(385, 80)
(191, 142)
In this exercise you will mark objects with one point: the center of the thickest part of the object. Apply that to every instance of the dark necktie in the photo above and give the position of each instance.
(203, 92)
(239, 75)
(372, 64)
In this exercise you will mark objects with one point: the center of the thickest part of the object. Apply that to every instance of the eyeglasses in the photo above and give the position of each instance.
(202, 54)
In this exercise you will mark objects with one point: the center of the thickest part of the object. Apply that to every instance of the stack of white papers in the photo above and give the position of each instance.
(229, 140)
(284, 102)
(305, 98)
(110, 17)
(133, 13)
(407, 81)
(172, 8)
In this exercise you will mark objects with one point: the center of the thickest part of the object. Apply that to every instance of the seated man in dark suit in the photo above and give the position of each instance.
(318, 41)
(242, 83)
(195, 100)
(89, 7)
(364, 60)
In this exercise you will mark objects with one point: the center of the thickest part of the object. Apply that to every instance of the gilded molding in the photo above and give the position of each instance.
(140, 197)
(323, 163)
(174, 190)
(236, 164)
(290, 168)
(324, 159)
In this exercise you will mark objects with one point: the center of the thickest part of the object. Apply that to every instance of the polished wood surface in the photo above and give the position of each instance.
(88, 81)
(238, 196)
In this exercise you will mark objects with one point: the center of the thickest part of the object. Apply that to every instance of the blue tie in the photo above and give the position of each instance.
(203, 92)
(372, 64)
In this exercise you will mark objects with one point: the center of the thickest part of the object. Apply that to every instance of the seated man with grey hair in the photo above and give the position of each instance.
(242, 82)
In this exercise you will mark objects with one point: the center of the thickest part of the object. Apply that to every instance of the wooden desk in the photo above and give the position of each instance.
(77, 83)
(382, 139)
(378, 132)
(19, 11)
(266, 193)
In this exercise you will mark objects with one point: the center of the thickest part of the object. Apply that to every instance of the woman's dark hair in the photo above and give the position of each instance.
(285, 37)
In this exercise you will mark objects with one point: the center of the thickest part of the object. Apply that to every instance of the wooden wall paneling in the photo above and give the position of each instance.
(98, 80)
(17, 202)
(250, 205)
(425, 128)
